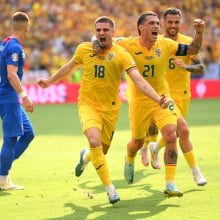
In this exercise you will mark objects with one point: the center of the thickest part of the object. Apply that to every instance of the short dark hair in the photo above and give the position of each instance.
(105, 19)
(19, 20)
(143, 17)
(172, 11)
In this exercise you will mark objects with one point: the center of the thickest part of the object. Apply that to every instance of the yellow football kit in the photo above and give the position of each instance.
(179, 79)
(152, 64)
(99, 99)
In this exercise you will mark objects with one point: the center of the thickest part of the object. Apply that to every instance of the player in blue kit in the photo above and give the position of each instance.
(17, 129)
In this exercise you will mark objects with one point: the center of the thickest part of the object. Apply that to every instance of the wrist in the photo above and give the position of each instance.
(22, 94)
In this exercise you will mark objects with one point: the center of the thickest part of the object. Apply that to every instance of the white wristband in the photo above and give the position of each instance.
(23, 94)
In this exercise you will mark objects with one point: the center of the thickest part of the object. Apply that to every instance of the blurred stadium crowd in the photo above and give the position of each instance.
(58, 26)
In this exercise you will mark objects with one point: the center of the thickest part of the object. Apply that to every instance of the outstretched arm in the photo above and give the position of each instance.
(146, 88)
(62, 73)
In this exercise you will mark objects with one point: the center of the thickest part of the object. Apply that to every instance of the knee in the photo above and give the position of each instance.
(183, 132)
(94, 142)
(137, 144)
(170, 137)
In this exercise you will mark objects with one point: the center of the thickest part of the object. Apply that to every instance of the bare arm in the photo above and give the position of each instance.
(196, 67)
(62, 73)
(146, 88)
(16, 84)
(196, 44)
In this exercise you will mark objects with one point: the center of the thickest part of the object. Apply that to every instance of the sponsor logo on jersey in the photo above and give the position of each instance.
(149, 58)
(14, 57)
(110, 56)
(101, 57)
(158, 52)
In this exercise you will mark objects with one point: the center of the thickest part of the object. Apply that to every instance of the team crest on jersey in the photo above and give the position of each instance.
(158, 52)
(110, 56)
(14, 57)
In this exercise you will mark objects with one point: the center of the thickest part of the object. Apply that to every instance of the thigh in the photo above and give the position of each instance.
(12, 123)
(140, 118)
(184, 107)
(163, 117)
(104, 121)
(89, 117)
(108, 126)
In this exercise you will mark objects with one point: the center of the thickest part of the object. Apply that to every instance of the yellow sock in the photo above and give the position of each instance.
(150, 138)
(170, 172)
(161, 143)
(130, 159)
(190, 158)
(99, 162)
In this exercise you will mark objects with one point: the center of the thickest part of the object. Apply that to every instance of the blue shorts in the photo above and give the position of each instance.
(14, 120)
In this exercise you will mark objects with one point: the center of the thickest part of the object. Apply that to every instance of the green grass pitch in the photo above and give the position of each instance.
(52, 192)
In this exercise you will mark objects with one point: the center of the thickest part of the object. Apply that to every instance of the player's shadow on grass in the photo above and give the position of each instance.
(145, 206)
(138, 208)
(119, 183)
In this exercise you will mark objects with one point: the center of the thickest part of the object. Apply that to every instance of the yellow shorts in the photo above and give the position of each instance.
(105, 121)
(182, 107)
(140, 117)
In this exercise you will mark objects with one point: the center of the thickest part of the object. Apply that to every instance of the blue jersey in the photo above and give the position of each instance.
(11, 53)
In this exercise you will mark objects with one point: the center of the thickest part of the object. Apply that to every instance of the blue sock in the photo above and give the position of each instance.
(22, 144)
(7, 154)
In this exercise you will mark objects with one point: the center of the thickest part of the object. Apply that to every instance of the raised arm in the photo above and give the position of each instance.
(62, 73)
(196, 44)
(146, 88)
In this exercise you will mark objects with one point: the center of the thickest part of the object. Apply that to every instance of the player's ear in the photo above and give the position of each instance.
(162, 22)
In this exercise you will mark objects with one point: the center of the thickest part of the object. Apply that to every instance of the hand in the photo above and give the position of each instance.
(180, 63)
(28, 104)
(163, 102)
(199, 25)
(43, 83)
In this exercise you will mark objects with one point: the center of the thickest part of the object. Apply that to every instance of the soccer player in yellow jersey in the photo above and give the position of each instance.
(151, 53)
(178, 77)
(99, 100)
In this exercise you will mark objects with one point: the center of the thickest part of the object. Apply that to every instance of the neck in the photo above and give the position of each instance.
(146, 43)
(18, 35)
(171, 37)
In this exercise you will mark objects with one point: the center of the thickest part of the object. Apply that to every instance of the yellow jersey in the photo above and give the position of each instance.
(152, 65)
(101, 75)
(178, 78)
